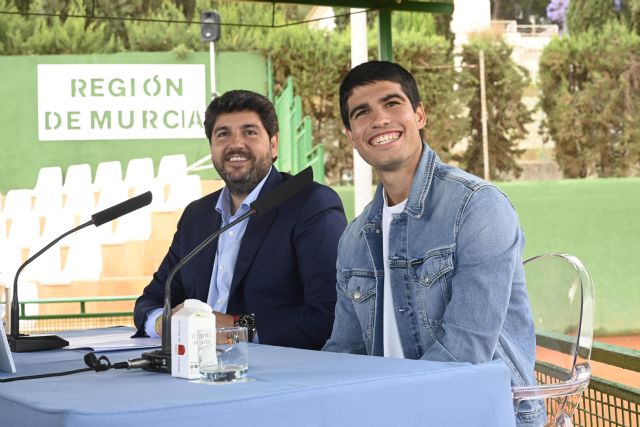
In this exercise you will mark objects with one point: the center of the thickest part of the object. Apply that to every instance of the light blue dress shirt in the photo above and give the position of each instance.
(226, 254)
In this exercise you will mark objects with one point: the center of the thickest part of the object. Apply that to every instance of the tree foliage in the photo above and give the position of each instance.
(506, 114)
(584, 15)
(522, 10)
(591, 96)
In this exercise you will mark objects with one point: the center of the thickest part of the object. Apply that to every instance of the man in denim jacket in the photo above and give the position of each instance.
(432, 267)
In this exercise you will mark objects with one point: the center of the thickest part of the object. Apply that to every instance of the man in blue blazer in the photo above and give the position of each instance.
(275, 273)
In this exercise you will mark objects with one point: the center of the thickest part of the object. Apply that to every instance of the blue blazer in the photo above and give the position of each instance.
(285, 273)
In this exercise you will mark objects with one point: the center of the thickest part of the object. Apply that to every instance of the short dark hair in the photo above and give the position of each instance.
(241, 100)
(372, 72)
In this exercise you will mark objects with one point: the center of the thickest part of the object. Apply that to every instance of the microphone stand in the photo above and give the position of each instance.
(22, 343)
(160, 360)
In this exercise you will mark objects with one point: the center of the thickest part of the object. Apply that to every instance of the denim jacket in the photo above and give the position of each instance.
(458, 281)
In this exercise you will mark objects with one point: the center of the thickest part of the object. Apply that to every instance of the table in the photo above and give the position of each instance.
(290, 387)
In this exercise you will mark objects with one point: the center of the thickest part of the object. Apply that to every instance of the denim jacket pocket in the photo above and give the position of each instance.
(430, 288)
(436, 263)
(360, 288)
(360, 285)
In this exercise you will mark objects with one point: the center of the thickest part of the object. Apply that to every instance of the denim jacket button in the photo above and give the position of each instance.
(377, 231)
(357, 294)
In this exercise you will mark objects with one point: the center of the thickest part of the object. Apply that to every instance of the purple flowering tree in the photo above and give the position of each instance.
(557, 13)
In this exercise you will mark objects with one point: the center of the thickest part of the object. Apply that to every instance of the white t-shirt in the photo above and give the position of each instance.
(390, 335)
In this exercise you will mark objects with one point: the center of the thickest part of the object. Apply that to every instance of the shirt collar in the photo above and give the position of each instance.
(223, 205)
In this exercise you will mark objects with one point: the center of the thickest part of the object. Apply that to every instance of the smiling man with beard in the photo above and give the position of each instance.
(275, 273)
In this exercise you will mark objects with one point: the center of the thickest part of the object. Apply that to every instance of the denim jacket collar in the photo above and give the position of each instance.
(417, 195)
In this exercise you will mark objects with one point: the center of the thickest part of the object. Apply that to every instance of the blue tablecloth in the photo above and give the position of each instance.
(290, 387)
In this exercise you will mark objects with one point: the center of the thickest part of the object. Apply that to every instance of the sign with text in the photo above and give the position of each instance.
(120, 101)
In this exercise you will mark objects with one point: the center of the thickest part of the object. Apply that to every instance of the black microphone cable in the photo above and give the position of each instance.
(94, 363)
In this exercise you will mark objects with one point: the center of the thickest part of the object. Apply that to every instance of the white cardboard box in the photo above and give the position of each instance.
(185, 323)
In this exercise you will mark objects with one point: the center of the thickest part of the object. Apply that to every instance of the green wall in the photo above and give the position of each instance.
(597, 220)
(23, 155)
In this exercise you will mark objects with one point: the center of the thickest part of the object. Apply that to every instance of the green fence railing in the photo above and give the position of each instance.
(86, 313)
(604, 403)
(296, 150)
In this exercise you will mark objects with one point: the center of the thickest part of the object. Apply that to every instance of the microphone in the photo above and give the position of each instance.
(23, 343)
(123, 208)
(160, 360)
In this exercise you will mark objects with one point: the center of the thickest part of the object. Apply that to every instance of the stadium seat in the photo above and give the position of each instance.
(172, 167)
(49, 179)
(17, 203)
(182, 191)
(84, 258)
(24, 231)
(77, 176)
(107, 174)
(139, 173)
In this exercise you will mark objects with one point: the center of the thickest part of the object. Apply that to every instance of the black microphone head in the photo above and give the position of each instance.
(120, 209)
(283, 191)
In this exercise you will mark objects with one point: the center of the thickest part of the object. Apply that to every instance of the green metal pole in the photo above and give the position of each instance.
(385, 52)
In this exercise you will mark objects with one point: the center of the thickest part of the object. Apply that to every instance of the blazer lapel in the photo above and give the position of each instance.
(255, 232)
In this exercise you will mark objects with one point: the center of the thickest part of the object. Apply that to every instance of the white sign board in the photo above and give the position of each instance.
(120, 101)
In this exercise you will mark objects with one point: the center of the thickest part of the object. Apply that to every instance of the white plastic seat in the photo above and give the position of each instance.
(182, 191)
(84, 258)
(107, 174)
(139, 173)
(81, 202)
(77, 176)
(47, 268)
(55, 224)
(109, 196)
(49, 179)
(134, 226)
(17, 203)
(48, 190)
(561, 293)
(172, 167)
(47, 200)
(10, 260)
(157, 189)
(24, 231)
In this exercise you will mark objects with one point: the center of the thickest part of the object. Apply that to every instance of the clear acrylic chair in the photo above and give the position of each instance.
(562, 301)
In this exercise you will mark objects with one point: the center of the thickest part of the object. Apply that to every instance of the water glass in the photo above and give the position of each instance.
(223, 354)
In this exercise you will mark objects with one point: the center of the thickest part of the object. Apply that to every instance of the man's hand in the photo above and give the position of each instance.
(176, 308)
(223, 320)
(159, 319)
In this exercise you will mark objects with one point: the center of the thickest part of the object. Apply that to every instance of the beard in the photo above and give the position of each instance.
(241, 184)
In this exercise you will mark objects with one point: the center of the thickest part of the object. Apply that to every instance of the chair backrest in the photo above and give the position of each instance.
(49, 179)
(107, 174)
(17, 203)
(561, 293)
(139, 173)
(77, 176)
(171, 167)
